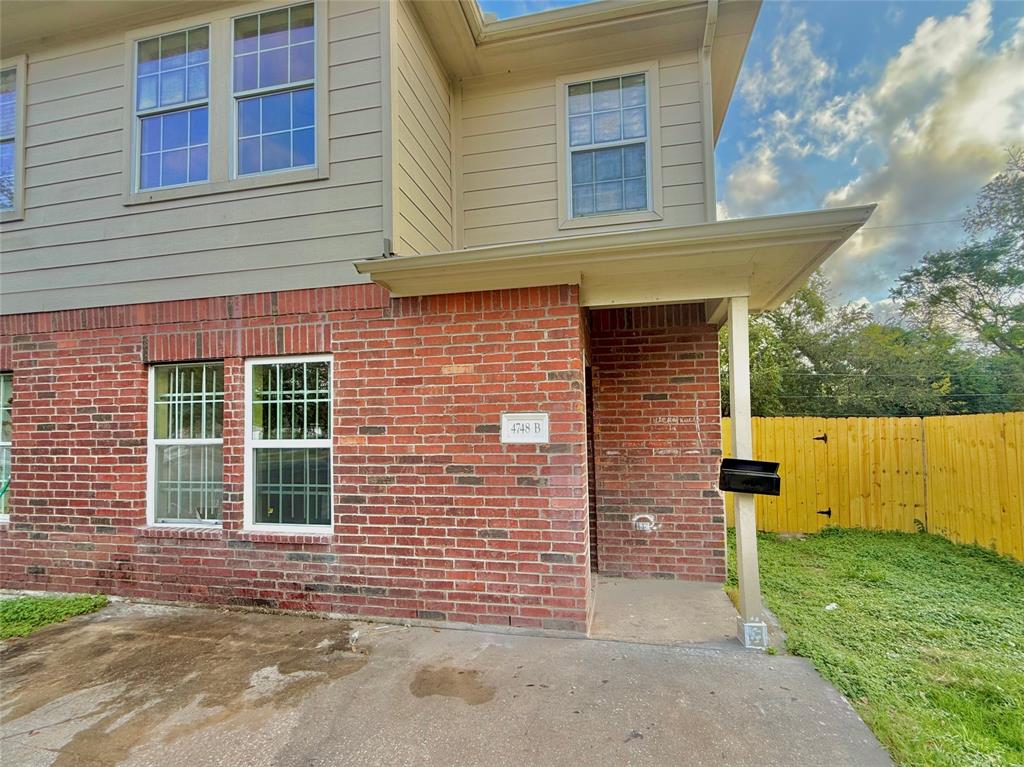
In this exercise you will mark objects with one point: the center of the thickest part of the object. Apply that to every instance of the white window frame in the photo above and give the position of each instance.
(5, 517)
(185, 106)
(653, 212)
(238, 97)
(152, 443)
(20, 66)
(249, 522)
(221, 138)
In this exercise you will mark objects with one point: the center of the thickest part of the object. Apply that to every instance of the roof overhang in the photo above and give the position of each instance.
(766, 258)
(471, 46)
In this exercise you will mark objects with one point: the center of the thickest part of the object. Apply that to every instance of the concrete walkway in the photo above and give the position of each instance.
(143, 685)
(657, 611)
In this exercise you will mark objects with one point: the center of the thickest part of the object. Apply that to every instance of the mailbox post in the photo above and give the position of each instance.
(751, 627)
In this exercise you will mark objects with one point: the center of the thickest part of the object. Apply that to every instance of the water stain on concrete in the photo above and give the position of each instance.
(452, 683)
(166, 674)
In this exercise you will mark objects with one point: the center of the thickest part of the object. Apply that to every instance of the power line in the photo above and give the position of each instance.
(914, 223)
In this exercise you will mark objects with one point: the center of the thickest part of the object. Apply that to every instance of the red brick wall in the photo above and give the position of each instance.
(657, 436)
(434, 518)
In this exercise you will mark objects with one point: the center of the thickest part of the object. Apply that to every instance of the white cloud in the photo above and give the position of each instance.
(921, 140)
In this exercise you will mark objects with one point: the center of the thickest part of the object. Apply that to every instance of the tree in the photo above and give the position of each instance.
(977, 289)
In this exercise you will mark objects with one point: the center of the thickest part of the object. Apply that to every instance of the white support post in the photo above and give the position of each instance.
(751, 627)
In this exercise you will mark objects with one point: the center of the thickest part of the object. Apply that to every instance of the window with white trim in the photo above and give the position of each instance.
(609, 146)
(186, 444)
(288, 443)
(10, 157)
(6, 395)
(172, 109)
(274, 83)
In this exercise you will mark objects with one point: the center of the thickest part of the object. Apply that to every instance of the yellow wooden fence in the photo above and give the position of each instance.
(959, 476)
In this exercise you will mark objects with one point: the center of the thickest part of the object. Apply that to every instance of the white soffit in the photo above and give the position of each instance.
(766, 258)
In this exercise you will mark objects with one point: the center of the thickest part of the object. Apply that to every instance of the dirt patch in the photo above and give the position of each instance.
(452, 683)
(168, 674)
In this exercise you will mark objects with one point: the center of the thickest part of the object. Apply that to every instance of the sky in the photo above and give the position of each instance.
(842, 102)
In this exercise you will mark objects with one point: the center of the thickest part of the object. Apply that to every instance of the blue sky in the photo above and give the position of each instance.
(908, 104)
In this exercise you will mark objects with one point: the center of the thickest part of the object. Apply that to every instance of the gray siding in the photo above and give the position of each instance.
(79, 245)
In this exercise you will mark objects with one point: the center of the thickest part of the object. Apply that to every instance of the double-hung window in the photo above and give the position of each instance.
(12, 113)
(288, 443)
(609, 155)
(608, 145)
(172, 108)
(6, 393)
(274, 74)
(186, 446)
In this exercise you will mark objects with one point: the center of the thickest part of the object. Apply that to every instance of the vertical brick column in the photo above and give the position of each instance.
(657, 443)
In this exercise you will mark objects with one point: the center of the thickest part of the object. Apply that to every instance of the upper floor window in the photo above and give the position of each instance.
(172, 93)
(274, 75)
(12, 110)
(608, 145)
(227, 101)
(6, 394)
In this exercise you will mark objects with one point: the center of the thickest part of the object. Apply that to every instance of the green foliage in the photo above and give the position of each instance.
(927, 640)
(22, 615)
(810, 357)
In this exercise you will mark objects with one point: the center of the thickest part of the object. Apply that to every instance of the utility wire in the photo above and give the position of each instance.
(914, 223)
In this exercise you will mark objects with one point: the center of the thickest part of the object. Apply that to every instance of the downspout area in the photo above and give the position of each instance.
(708, 114)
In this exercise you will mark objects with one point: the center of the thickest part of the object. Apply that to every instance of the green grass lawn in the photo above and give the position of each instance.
(927, 639)
(22, 615)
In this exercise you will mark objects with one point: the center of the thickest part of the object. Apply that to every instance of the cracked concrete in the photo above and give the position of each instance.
(138, 685)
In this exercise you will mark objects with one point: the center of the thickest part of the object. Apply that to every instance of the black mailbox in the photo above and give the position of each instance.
(739, 475)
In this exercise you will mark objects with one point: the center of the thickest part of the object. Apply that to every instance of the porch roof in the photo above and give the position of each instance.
(766, 258)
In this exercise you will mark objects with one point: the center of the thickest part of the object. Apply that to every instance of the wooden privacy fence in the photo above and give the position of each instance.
(959, 476)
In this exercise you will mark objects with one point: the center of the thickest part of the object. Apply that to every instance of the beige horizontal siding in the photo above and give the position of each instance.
(79, 245)
(422, 140)
(509, 154)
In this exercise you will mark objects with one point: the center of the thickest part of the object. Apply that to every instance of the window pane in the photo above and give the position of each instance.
(634, 90)
(7, 175)
(5, 477)
(280, 125)
(8, 102)
(579, 130)
(634, 122)
(274, 48)
(189, 401)
(165, 144)
(582, 167)
(608, 164)
(579, 99)
(6, 395)
(607, 126)
(634, 160)
(189, 483)
(292, 486)
(583, 200)
(608, 196)
(606, 94)
(636, 194)
(302, 24)
(172, 69)
(287, 399)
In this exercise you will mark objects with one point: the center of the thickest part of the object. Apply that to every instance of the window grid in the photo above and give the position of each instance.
(288, 444)
(8, 135)
(608, 145)
(6, 426)
(187, 448)
(172, 91)
(274, 64)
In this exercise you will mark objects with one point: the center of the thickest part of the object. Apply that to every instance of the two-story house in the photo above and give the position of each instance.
(375, 307)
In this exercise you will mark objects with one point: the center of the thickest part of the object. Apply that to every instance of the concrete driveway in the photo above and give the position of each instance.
(167, 686)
